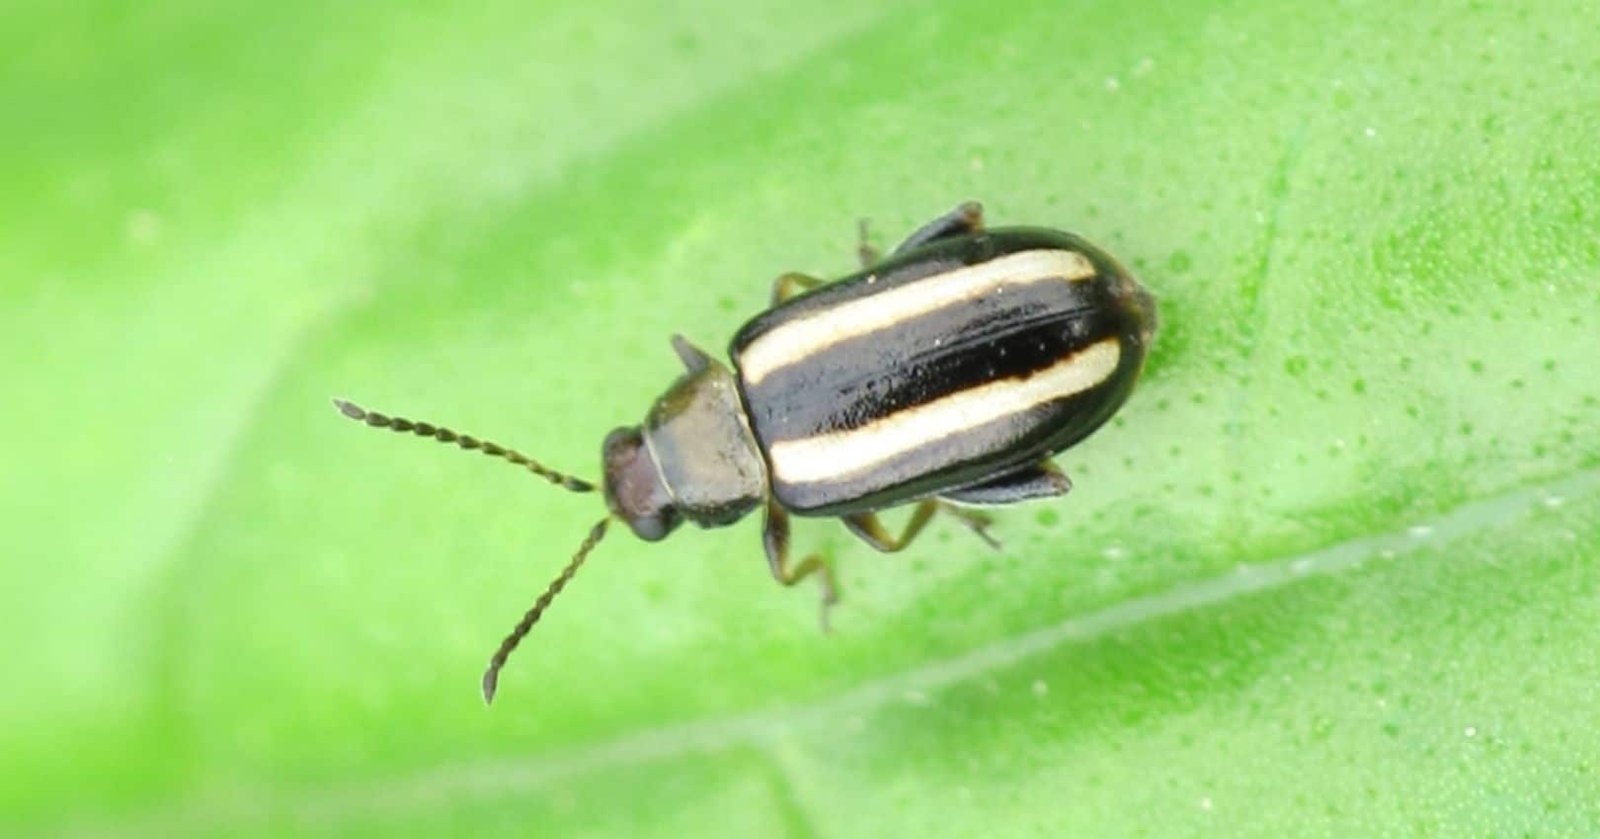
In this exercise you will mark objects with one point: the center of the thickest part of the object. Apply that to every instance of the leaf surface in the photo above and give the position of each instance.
(1332, 571)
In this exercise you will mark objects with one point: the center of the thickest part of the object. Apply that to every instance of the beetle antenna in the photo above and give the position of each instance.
(465, 441)
(491, 676)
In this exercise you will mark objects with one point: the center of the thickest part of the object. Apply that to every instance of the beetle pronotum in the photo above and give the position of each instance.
(946, 374)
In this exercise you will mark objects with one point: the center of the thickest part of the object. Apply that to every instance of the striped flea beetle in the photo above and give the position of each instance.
(946, 374)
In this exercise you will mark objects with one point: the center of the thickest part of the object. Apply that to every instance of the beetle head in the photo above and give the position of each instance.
(634, 489)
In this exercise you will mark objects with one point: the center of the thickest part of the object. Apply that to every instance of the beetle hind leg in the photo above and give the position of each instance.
(775, 538)
(1040, 480)
(966, 218)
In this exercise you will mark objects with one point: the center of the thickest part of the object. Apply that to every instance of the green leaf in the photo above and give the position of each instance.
(1333, 571)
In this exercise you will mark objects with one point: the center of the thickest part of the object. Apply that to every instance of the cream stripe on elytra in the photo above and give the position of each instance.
(840, 454)
(791, 342)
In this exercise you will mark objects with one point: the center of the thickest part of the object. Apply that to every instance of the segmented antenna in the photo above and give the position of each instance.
(465, 441)
(491, 676)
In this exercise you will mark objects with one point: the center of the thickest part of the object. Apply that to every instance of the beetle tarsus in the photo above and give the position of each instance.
(975, 520)
(867, 252)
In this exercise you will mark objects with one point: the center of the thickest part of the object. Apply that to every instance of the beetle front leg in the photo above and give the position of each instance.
(775, 538)
(791, 284)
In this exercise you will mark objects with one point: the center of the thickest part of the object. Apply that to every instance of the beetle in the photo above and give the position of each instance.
(948, 373)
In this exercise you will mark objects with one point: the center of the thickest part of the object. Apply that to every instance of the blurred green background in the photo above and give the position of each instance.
(1334, 571)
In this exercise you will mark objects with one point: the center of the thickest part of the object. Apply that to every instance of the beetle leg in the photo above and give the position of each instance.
(965, 218)
(775, 538)
(791, 284)
(976, 520)
(870, 530)
(1041, 480)
(867, 527)
(868, 252)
